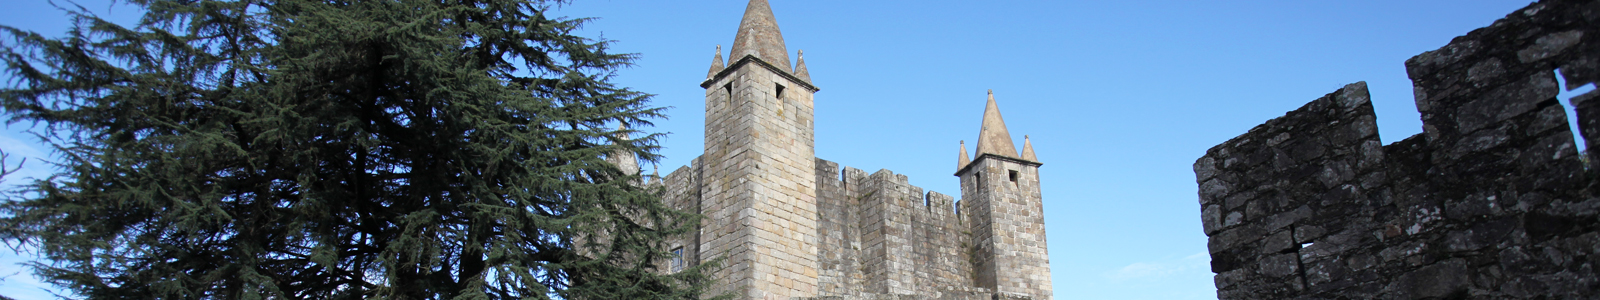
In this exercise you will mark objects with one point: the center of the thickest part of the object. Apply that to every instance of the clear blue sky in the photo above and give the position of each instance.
(1120, 98)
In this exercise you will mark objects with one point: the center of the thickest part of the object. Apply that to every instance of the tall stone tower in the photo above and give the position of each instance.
(759, 181)
(1000, 191)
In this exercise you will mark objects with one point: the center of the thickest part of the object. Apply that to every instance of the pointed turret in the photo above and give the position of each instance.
(993, 138)
(964, 160)
(622, 132)
(716, 64)
(1027, 150)
(759, 36)
(800, 67)
(624, 159)
(655, 173)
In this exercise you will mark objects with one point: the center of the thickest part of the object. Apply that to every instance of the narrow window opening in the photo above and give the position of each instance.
(1565, 96)
(728, 88)
(779, 91)
(1013, 176)
(677, 259)
(1295, 248)
(977, 181)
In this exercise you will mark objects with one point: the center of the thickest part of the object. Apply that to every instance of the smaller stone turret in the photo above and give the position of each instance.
(716, 64)
(1027, 149)
(1000, 194)
(655, 174)
(800, 67)
(965, 159)
(624, 159)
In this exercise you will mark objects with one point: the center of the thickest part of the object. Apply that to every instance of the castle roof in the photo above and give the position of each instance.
(993, 138)
(716, 63)
(759, 36)
(624, 159)
(965, 159)
(1027, 150)
(800, 67)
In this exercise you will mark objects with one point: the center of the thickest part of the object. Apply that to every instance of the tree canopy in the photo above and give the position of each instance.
(391, 149)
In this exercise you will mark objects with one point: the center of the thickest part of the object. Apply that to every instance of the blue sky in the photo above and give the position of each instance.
(1119, 97)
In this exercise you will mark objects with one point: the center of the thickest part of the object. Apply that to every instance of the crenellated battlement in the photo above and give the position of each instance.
(878, 235)
(788, 225)
(1490, 201)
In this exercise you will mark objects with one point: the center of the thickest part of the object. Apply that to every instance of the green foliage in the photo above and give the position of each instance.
(396, 149)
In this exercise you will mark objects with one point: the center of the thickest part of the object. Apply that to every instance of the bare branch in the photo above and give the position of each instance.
(4, 169)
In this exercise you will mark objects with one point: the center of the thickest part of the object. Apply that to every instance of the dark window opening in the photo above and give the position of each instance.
(977, 181)
(779, 91)
(1013, 176)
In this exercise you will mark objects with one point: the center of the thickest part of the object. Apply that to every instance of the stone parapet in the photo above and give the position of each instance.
(1492, 200)
(881, 235)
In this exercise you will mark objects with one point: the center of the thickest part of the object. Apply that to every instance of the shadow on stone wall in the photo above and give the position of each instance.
(1492, 200)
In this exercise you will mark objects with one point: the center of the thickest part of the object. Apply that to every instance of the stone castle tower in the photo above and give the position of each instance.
(792, 226)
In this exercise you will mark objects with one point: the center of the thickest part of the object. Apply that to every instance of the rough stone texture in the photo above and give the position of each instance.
(993, 138)
(1002, 197)
(759, 36)
(882, 235)
(1490, 201)
(682, 191)
(792, 226)
(759, 190)
(881, 238)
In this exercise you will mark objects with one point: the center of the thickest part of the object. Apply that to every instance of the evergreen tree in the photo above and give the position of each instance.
(387, 149)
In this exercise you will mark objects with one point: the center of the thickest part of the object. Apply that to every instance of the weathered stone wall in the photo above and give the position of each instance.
(758, 189)
(681, 190)
(951, 294)
(879, 237)
(882, 236)
(839, 231)
(942, 245)
(1002, 198)
(1490, 201)
(886, 232)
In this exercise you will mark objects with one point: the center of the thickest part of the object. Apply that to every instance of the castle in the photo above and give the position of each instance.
(793, 226)
(1491, 201)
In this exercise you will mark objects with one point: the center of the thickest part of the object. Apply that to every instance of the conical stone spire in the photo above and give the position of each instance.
(759, 36)
(655, 173)
(1027, 150)
(716, 64)
(800, 67)
(624, 159)
(965, 159)
(993, 138)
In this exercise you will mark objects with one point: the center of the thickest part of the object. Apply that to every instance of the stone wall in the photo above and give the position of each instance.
(1490, 201)
(883, 236)
(758, 187)
(1002, 195)
(879, 237)
(681, 190)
